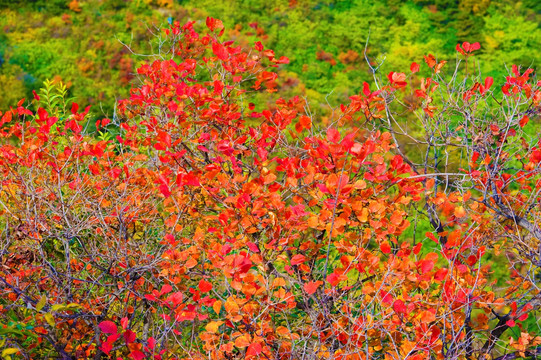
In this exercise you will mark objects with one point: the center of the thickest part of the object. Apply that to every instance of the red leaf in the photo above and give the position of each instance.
(366, 89)
(164, 189)
(414, 67)
(475, 46)
(137, 355)
(417, 248)
(282, 60)
(297, 259)
(513, 307)
(108, 327)
(524, 121)
(440, 274)
(106, 347)
(333, 279)
(129, 336)
(385, 248)
(386, 297)
(488, 82)
(165, 138)
(426, 265)
(535, 156)
(204, 286)
(333, 135)
(252, 246)
(214, 24)
(312, 286)
(254, 349)
(124, 322)
(74, 108)
(399, 307)
(514, 68)
(166, 289)
(510, 323)
(220, 51)
(112, 338)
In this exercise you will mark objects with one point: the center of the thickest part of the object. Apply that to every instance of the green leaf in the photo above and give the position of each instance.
(10, 331)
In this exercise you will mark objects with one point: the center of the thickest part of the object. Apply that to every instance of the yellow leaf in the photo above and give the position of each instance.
(9, 351)
(58, 307)
(213, 326)
(231, 306)
(41, 303)
(50, 319)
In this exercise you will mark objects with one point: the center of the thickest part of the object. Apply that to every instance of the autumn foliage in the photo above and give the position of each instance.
(217, 227)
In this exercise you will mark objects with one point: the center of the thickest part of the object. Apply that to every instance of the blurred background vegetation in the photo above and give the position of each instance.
(79, 42)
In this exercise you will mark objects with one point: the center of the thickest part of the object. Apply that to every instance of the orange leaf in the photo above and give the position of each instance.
(278, 282)
(213, 326)
(191, 263)
(306, 122)
(231, 306)
(242, 341)
(430, 60)
(460, 212)
(428, 316)
(217, 306)
(396, 218)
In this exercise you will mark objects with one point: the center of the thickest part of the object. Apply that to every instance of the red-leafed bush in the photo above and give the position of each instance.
(213, 227)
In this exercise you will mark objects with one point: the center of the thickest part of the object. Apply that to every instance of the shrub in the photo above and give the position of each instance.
(213, 227)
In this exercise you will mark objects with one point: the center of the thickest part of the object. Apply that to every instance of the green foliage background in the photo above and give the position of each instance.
(79, 41)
